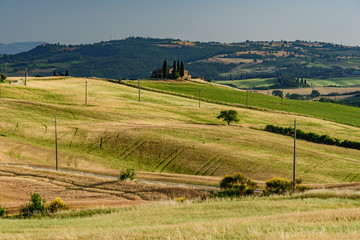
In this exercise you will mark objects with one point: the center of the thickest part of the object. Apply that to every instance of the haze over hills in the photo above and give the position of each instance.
(138, 57)
(18, 47)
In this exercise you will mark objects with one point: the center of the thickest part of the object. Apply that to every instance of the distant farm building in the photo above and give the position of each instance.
(158, 73)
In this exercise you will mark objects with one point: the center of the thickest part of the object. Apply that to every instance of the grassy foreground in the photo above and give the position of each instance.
(300, 217)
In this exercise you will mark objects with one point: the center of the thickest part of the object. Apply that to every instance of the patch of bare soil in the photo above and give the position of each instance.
(81, 191)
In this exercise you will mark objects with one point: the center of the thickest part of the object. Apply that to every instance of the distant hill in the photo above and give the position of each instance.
(283, 61)
(14, 48)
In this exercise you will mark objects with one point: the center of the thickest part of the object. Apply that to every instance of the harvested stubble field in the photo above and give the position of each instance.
(82, 191)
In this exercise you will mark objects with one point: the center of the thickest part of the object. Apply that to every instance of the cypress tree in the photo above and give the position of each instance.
(178, 66)
(165, 69)
(182, 70)
(67, 73)
(54, 73)
(174, 70)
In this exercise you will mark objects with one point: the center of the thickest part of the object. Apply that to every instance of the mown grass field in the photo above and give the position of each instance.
(165, 133)
(308, 216)
(249, 83)
(332, 112)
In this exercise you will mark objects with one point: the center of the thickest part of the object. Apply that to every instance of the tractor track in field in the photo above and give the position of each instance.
(183, 185)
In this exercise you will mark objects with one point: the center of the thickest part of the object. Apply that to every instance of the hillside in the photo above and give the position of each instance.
(138, 57)
(14, 48)
(166, 133)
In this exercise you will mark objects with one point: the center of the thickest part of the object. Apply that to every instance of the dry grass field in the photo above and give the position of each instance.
(315, 215)
(162, 134)
(165, 138)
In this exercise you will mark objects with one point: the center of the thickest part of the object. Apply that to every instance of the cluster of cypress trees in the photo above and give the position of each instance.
(178, 70)
(313, 137)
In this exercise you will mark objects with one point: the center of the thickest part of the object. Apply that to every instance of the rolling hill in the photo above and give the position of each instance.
(137, 57)
(167, 132)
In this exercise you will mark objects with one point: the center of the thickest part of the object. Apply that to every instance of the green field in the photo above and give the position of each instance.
(266, 82)
(249, 83)
(341, 82)
(310, 216)
(332, 112)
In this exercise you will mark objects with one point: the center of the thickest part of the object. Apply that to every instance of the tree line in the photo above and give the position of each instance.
(313, 137)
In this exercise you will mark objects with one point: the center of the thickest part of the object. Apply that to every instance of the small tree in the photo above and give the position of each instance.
(237, 185)
(278, 93)
(229, 116)
(174, 71)
(314, 94)
(182, 69)
(66, 73)
(35, 206)
(165, 69)
(2, 78)
(54, 73)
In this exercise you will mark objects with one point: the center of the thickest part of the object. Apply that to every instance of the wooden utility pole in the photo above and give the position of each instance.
(139, 89)
(56, 147)
(199, 96)
(26, 73)
(295, 125)
(86, 83)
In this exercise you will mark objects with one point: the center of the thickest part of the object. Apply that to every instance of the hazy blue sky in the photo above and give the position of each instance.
(88, 21)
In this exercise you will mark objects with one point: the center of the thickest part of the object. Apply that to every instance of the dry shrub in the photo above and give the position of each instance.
(57, 205)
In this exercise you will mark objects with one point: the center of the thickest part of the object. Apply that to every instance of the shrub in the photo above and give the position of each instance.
(277, 186)
(281, 186)
(3, 211)
(181, 199)
(2, 78)
(127, 174)
(57, 205)
(236, 185)
(35, 206)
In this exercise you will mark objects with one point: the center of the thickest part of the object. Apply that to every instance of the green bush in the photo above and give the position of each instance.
(2, 78)
(34, 207)
(57, 205)
(127, 174)
(281, 186)
(236, 185)
(277, 186)
(3, 211)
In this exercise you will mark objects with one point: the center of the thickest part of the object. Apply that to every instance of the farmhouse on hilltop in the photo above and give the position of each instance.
(167, 71)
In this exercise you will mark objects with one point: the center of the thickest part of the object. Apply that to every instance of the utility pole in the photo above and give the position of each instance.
(86, 83)
(56, 148)
(247, 97)
(139, 89)
(26, 73)
(295, 125)
(199, 96)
